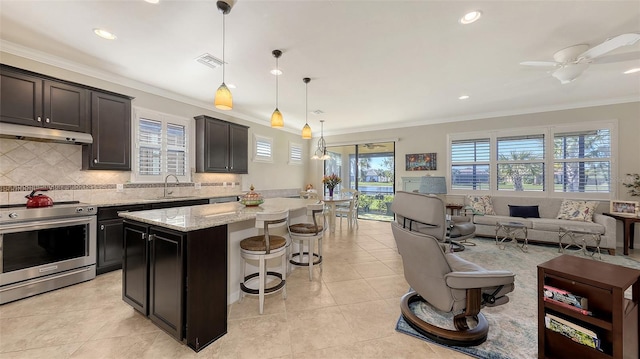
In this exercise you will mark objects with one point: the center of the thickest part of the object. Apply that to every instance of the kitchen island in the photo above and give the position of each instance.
(182, 266)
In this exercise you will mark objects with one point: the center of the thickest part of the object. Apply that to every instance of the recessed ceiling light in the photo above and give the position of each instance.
(632, 71)
(104, 34)
(317, 112)
(276, 72)
(470, 17)
(152, 1)
(463, 97)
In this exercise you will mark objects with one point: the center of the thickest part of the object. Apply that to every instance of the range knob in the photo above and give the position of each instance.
(13, 215)
(79, 210)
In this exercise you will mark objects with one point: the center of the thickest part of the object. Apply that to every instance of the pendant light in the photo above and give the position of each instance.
(306, 130)
(223, 99)
(321, 150)
(276, 118)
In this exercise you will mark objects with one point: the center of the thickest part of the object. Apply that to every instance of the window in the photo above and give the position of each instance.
(295, 153)
(263, 149)
(520, 163)
(470, 164)
(582, 161)
(573, 161)
(161, 146)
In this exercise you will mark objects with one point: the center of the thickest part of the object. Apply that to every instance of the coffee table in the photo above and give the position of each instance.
(510, 230)
(579, 237)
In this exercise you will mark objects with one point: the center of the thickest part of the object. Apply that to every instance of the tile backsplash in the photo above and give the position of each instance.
(27, 165)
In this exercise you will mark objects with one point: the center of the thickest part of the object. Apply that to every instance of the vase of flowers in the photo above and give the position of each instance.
(331, 182)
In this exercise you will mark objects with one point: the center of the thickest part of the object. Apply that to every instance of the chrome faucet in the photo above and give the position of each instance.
(165, 184)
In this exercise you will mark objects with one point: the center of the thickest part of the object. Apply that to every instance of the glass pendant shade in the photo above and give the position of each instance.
(306, 132)
(276, 119)
(224, 99)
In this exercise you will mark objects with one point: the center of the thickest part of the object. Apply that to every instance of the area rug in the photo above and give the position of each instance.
(513, 328)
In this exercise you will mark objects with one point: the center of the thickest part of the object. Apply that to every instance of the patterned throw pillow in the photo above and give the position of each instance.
(481, 204)
(577, 210)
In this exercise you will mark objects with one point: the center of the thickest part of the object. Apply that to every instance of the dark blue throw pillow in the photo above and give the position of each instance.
(524, 211)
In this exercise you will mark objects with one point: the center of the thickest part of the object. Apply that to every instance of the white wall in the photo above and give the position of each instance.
(433, 138)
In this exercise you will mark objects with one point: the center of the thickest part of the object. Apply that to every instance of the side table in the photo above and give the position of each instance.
(579, 234)
(627, 232)
(510, 231)
(454, 209)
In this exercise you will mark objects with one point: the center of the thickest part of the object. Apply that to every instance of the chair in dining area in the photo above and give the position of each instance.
(350, 211)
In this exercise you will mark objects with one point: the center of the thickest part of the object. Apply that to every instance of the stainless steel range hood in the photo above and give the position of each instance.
(10, 130)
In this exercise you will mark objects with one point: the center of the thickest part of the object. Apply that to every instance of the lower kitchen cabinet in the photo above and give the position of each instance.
(178, 279)
(109, 249)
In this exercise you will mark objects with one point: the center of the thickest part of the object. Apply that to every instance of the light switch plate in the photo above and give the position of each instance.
(119, 187)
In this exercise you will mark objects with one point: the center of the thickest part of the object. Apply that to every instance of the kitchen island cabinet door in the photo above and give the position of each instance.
(166, 279)
(135, 265)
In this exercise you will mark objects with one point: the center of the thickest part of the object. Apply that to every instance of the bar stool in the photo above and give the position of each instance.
(262, 248)
(307, 234)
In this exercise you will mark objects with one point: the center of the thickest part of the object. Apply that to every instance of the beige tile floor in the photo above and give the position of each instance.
(350, 311)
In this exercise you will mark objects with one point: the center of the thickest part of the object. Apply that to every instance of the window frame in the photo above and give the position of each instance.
(300, 148)
(261, 158)
(164, 119)
(549, 133)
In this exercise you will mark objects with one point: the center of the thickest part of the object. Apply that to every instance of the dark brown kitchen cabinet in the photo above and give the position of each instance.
(183, 289)
(110, 236)
(135, 266)
(27, 99)
(221, 146)
(111, 131)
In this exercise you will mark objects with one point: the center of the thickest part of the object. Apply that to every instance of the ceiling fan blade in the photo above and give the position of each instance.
(540, 63)
(609, 45)
(627, 56)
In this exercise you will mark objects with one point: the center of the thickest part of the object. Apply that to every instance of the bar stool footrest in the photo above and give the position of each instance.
(305, 264)
(266, 290)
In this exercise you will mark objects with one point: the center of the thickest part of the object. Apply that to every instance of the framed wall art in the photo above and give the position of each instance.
(421, 162)
(623, 207)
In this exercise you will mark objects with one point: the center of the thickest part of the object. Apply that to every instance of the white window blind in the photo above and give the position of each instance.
(582, 161)
(161, 146)
(263, 149)
(295, 153)
(520, 163)
(470, 164)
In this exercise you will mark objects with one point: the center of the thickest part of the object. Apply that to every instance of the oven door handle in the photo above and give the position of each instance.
(29, 226)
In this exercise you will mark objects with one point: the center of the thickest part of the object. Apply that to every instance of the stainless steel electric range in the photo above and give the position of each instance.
(46, 248)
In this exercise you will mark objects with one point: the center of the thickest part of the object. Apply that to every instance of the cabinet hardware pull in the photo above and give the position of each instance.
(152, 237)
(39, 119)
(95, 160)
(47, 120)
(102, 227)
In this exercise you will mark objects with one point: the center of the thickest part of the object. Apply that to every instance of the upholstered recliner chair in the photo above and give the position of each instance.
(441, 278)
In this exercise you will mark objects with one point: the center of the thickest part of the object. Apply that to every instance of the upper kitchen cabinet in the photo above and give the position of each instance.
(111, 131)
(221, 146)
(27, 99)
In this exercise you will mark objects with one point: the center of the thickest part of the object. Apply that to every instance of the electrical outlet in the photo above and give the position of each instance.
(119, 187)
(197, 185)
(224, 184)
(233, 184)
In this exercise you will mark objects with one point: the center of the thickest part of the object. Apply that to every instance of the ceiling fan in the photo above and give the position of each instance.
(572, 61)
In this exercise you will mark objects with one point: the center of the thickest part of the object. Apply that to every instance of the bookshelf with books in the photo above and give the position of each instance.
(583, 311)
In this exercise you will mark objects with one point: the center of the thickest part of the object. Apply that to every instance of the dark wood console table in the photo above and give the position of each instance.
(627, 231)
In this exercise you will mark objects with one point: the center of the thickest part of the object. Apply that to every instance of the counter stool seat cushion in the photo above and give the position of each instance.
(305, 228)
(257, 243)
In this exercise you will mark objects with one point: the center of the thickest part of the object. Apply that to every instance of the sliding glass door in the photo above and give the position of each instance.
(370, 169)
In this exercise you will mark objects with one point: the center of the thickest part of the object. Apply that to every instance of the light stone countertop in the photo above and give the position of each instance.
(186, 219)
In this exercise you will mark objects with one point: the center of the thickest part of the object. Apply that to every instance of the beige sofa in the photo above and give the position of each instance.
(545, 229)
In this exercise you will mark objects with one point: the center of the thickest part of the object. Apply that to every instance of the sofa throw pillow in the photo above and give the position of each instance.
(481, 204)
(524, 211)
(577, 210)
